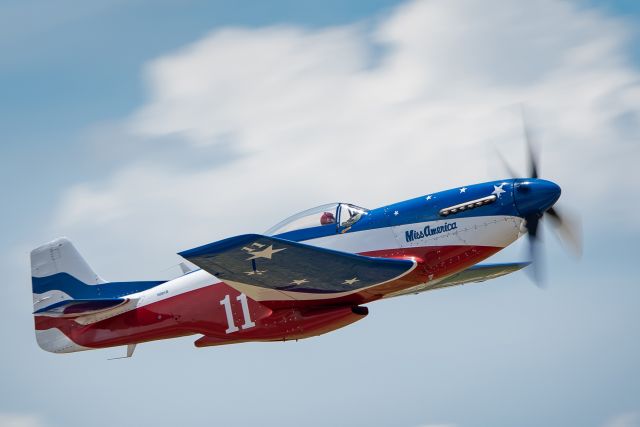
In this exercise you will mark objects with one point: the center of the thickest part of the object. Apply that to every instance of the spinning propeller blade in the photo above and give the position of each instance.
(567, 227)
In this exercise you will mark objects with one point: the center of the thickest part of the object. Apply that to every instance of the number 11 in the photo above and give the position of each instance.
(248, 323)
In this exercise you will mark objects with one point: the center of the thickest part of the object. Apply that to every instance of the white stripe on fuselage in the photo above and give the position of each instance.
(497, 231)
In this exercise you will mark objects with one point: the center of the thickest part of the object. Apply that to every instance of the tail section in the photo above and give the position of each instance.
(64, 288)
(59, 273)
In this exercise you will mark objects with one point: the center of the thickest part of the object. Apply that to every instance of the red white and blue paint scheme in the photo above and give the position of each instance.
(312, 273)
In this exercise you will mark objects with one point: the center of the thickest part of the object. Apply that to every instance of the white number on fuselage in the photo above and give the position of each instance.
(248, 323)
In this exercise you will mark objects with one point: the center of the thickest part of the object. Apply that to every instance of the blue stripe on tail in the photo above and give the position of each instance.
(78, 290)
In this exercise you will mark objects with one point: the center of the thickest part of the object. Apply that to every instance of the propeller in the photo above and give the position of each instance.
(565, 225)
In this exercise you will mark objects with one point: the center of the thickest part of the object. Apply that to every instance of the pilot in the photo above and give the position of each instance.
(327, 218)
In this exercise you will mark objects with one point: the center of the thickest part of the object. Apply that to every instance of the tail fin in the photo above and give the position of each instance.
(58, 274)
(60, 256)
(65, 287)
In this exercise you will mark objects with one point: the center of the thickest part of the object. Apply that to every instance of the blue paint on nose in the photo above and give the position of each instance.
(534, 196)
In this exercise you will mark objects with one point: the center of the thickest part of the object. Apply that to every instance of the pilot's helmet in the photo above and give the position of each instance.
(327, 218)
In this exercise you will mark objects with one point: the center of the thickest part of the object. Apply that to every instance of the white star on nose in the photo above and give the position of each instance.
(350, 281)
(265, 253)
(428, 197)
(463, 189)
(396, 213)
(497, 190)
(299, 281)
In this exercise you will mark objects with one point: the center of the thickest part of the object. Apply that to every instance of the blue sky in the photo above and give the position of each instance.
(134, 128)
(76, 64)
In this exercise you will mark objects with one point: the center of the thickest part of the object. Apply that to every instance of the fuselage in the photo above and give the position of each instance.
(444, 233)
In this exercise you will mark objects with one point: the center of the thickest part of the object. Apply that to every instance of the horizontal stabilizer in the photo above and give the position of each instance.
(284, 265)
(81, 307)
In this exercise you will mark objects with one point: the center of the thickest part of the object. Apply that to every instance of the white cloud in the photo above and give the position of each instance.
(627, 419)
(20, 420)
(372, 114)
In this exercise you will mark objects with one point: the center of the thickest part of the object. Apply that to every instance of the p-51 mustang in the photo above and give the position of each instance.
(310, 274)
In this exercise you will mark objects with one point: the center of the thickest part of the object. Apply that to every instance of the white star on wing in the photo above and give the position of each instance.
(299, 282)
(497, 190)
(265, 253)
(350, 281)
(463, 189)
(396, 213)
(255, 273)
(428, 197)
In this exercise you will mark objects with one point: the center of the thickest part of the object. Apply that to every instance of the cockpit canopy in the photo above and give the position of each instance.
(335, 215)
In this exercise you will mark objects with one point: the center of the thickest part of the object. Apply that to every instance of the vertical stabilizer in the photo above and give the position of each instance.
(60, 256)
(58, 274)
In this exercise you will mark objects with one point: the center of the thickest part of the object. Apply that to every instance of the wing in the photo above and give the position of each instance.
(477, 273)
(284, 265)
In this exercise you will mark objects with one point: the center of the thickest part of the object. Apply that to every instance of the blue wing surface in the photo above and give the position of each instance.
(274, 263)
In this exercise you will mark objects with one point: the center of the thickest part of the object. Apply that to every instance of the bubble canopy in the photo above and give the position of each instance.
(333, 215)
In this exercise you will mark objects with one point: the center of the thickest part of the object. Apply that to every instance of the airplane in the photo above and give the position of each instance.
(313, 273)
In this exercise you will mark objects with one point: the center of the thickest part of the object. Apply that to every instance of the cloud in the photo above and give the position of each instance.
(20, 420)
(627, 419)
(372, 113)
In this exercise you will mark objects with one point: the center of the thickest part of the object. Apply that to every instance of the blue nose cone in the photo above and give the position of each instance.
(534, 196)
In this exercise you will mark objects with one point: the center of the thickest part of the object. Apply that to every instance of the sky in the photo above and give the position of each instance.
(139, 129)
